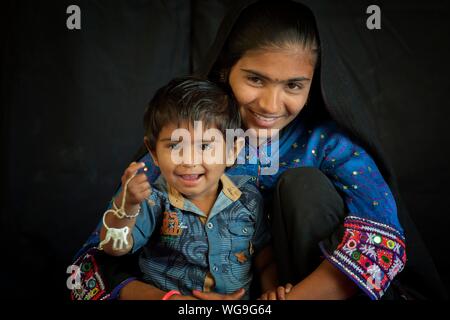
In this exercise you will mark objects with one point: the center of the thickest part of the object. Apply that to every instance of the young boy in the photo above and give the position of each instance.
(200, 229)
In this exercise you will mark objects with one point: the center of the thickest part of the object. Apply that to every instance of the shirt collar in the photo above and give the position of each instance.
(229, 189)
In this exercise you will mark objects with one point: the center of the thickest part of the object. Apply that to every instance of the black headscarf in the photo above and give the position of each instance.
(347, 102)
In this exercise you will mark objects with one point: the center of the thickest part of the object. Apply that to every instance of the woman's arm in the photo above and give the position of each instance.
(372, 250)
(266, 268)
(324, 283)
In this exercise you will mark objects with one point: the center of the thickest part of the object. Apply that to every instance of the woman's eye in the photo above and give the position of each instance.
(254, 80)
(293, 86)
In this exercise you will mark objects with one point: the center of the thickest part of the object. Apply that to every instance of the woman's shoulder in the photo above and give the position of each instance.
(327, 131)
(328, 126)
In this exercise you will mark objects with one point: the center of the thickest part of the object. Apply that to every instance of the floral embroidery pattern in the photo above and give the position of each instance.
(371, 253)
(92, 286)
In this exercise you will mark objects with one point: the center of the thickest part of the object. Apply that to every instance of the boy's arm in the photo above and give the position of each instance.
(137, 189)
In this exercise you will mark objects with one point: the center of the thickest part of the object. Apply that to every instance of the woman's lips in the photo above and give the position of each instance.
(264, 121)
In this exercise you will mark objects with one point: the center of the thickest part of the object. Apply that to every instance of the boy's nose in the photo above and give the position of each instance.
(189, 165)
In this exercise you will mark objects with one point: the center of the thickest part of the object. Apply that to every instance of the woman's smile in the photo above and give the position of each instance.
(264, 121)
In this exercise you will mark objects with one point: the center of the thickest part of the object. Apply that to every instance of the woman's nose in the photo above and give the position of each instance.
(270, 102)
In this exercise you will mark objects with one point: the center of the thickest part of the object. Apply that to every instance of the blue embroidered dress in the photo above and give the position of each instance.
(372, 251)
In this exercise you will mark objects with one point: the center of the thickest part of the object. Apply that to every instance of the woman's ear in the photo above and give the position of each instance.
(234, 152)
(151, 151)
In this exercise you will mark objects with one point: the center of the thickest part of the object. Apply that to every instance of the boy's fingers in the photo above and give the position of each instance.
(207, 295)
(143, 187)
(132, 169)
(134, 166)
(147, 193)
(237, 295)
(137, 189)
(140, 178)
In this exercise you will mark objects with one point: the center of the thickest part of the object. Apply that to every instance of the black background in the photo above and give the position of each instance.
(73, 100)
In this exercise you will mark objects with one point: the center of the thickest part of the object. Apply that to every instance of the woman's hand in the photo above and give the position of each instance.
(277, 294)
(237, 295)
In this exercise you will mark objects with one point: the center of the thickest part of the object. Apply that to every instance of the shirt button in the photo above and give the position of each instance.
(209, 225)
(215, 269)
(244, 230)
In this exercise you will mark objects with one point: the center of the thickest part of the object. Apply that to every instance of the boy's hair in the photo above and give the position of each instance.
(190, 99)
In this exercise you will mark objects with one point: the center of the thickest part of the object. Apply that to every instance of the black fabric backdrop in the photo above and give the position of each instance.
(72, 103)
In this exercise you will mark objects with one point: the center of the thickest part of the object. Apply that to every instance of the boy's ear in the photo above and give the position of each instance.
(152, 152)
(233, 153)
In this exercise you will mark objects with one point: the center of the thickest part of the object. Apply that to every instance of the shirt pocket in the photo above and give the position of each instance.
(241, 252)
(241, 235)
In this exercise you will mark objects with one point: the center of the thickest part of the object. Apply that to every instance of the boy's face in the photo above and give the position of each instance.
(191, 178)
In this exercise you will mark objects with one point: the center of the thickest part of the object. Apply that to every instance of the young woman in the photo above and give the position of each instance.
(338, 226)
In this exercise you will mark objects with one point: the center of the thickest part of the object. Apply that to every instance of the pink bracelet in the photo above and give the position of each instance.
(170, 293)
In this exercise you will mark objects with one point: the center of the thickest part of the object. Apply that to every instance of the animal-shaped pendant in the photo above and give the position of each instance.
(119, 237)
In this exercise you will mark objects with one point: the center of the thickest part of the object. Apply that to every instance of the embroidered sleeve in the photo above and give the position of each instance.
(371, 254)
(372, 251)
(88, 282)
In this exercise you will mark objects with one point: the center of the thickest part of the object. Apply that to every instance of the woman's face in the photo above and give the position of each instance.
(272, 86)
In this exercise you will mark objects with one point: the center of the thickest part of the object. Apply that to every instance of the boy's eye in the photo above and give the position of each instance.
(206, 146)
(174, 146)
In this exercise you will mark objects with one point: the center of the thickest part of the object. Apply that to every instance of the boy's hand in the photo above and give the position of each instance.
(277, 294)
(237, 295)
(138, 188)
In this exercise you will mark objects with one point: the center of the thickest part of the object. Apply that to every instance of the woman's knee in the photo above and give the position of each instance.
(308, 194)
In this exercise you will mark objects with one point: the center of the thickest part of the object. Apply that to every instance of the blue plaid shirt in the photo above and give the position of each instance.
(183, 249)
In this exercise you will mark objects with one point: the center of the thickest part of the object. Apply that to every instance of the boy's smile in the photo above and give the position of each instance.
(190, 179)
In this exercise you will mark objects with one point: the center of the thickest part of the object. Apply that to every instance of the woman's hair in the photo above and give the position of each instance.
(267, 25)
(188, 99)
